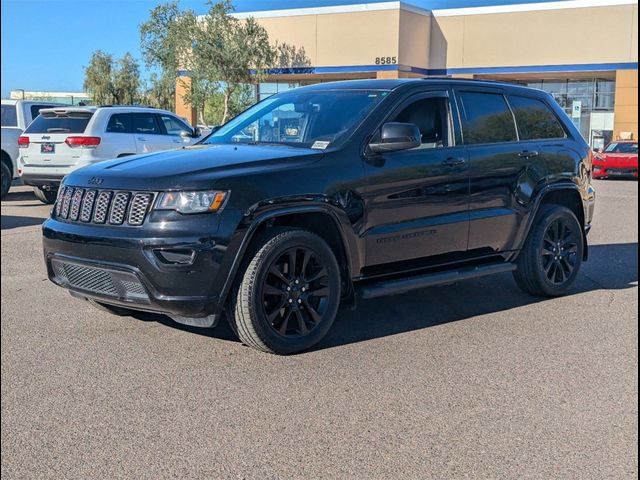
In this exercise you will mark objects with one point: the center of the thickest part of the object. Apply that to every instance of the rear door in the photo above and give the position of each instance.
(503, 170)
(47, 134)
(148, 133)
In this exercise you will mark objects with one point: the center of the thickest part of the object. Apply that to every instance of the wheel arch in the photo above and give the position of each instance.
(567, 195)
(319, 219)
(6, 159)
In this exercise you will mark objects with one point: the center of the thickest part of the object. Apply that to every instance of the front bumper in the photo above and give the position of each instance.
(606, 171)
(127, 266)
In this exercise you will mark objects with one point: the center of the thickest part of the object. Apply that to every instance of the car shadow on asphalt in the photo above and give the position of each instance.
(19, 196)
(610, 267)
(8, 222)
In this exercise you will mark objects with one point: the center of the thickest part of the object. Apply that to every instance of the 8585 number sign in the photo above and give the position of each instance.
(386, 60)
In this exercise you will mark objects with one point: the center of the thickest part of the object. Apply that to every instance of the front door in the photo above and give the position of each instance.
(417, 200)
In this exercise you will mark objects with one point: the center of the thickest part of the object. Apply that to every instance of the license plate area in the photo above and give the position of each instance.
(47, 148)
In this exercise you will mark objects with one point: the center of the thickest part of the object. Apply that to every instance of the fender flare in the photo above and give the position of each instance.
(347, 244)
(536, 208)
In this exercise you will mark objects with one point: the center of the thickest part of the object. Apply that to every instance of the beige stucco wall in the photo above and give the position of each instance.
(414, 39)
(626, 103)
(338, 39)
(548, 37)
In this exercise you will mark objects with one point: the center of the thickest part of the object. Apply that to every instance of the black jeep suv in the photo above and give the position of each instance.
(327, 193)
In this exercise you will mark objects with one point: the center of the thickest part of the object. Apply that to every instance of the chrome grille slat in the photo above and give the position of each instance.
(76, 201)
(66, 202)
(119, 208)
(112, 207)
(87, 205)
(102, 206)
(138, 208)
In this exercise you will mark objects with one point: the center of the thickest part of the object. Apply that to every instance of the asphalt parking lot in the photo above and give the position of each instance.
(474, 380)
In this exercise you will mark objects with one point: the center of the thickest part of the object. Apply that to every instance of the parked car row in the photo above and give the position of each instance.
(49, 141)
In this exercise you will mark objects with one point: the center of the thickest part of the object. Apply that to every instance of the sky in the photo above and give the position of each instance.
(47, 43)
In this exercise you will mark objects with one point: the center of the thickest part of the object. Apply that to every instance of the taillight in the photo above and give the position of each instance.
(23, 142)
(83, 142)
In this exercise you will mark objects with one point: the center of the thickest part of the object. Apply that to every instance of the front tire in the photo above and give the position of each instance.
(288, 296)
(552, 255)
(45, 196)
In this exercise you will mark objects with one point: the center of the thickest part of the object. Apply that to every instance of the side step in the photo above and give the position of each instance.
(402, 285)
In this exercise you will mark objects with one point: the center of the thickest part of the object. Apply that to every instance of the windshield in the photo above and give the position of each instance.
(304, 119)
(72, 122)
(622, 148)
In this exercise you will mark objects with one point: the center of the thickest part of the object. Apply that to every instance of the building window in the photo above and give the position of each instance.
(588, 102)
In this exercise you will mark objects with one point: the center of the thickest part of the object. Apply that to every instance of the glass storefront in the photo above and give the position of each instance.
(587, 101)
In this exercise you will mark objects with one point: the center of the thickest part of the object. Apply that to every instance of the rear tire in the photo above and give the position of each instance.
(288, 295)
(552, 255)
(112, 309)
(45, 196)
(6, 178)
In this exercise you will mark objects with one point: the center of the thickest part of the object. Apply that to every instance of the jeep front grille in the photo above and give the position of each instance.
(103, 206)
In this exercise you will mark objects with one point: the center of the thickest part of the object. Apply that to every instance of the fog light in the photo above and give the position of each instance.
(597, 169)
(176, 256)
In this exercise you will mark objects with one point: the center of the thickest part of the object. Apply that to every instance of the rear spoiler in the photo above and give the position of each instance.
(66, 111)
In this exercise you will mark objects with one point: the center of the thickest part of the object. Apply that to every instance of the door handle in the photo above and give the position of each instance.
(528, 154)
(142, 139)
(453, 161)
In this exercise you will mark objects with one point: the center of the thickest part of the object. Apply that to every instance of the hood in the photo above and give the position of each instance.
(188, 168)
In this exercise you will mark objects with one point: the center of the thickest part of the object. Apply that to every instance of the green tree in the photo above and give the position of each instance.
(164, 39)
(111, 81)
(225, 54)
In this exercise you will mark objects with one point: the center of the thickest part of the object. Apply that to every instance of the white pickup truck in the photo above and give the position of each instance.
(16, 116)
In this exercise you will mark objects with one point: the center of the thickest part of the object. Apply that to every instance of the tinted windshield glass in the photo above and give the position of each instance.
(9, 118)
(622, 148)
(72, 122)
(305, 119)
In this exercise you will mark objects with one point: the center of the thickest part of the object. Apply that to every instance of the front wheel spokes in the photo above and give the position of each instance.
(317, 275)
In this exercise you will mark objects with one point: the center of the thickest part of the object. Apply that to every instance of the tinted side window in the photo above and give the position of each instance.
(119, 123)
(486, 118)
(35, 110)
(145, 123)
(172, 125)
(9, 117)
(535, 119)
(429, 115)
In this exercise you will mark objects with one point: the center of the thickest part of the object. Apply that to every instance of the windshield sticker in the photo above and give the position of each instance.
(321, 144)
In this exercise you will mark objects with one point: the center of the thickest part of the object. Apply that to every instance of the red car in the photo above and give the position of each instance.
(618, 159)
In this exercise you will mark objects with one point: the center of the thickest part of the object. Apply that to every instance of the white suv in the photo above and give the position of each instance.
(63, 139)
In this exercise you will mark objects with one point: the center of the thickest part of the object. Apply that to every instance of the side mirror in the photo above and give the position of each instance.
(396, 136)
(197, 132)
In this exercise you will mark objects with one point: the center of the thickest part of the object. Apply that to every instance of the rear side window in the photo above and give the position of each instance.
(9, 117)
(35, 110)
(119, 123)
(172, 125)
(486, 118)
(145, 123)
(535, 119)
(71, 122)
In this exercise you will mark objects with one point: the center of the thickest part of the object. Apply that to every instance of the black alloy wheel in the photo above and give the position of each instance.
(559, 251)
(295, 292)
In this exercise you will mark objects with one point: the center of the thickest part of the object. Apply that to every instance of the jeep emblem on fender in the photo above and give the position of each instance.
(95, 181)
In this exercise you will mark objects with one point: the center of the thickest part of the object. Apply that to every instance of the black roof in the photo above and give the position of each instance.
(392, 84)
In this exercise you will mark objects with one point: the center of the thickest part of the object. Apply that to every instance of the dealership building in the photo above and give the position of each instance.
(584, 52)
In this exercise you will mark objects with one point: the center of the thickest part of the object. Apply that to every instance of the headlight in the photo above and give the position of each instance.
(192, 202)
